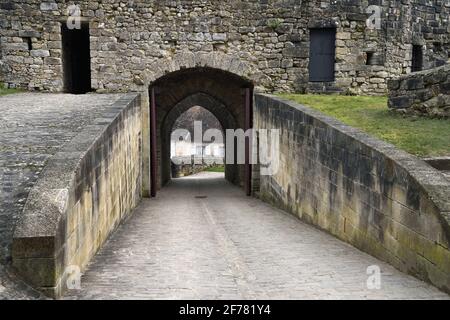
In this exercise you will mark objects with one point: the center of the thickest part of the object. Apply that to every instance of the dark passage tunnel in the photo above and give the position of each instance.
(221, 93)
(189, 155)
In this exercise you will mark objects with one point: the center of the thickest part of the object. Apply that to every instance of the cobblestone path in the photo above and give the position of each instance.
(203, 239)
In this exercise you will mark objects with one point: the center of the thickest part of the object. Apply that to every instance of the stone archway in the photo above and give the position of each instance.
(222, 92)
(216, 107)
(232, 65)
(214, 60)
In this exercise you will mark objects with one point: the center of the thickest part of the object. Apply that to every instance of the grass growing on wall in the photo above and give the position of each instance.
(416, 135)
(5, 91)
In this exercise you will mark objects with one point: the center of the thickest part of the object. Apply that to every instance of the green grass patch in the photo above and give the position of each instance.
(416, 135)
(4, 91)
(216, 169)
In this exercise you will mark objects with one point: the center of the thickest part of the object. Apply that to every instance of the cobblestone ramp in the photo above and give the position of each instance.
(202, 238)
(33, 127)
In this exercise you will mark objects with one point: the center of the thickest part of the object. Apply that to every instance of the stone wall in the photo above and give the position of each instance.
(85, 191)
(382, 200)
(186, 166)
(129, 39)
(423, 93)
(33, 128)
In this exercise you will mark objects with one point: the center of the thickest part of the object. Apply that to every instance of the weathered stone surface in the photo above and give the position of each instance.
(51, 60)
(15, 46)
(219, 37)
(414, 84)
(29, 33)
(48, 6)
(40, 53)
(33, 127)
(271, 37)
(424, 93)
(438, 106)
(401, 102)
(296, 52)
(362, 190)
(80, 197)
(393, 84)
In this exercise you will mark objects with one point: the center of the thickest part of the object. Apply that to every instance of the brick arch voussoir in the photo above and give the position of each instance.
(214, 60)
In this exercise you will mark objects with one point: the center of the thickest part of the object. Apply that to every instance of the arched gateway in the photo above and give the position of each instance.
(225, 94)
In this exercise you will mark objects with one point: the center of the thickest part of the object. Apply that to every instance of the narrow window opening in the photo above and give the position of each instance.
(374, 59)
(322, 55)
(437, 47)
(417, 58)
(370, 58)
(29, 43)
(76, 59)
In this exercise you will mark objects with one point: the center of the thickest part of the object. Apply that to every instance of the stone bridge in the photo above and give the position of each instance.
(86, 182)
(75, 170)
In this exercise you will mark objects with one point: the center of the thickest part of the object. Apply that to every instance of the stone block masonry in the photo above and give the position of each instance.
(86, 189)
(128, 39)
(33, 127)
(382, 200)
(424, 93)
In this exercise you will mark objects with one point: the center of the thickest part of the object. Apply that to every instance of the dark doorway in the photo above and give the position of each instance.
(417, 58)
(322, 52)
(76, 59)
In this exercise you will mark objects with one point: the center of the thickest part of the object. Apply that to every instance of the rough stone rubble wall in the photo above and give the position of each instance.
(85, 191)
(364, 191)
(423, 93)
(126, 38)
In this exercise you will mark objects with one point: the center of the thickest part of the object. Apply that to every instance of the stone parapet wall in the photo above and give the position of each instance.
(186, 166)
(366, 192)
(424, 93)
(128, 39)
(33, 128)
(84, 192)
